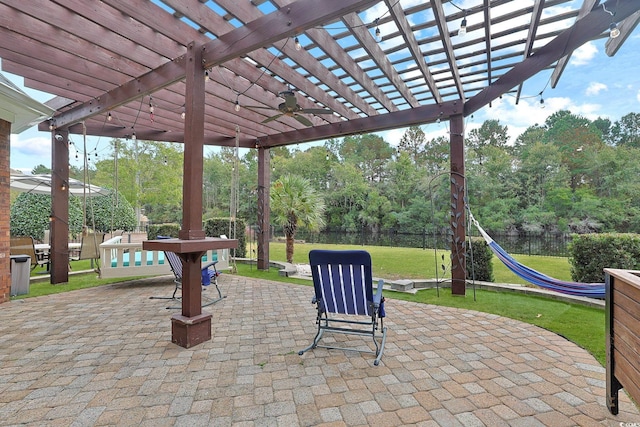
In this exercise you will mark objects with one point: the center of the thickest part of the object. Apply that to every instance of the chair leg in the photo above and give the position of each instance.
(315, 342)
(381, 349)
(173, 296)
(220, 297)
(206, 301)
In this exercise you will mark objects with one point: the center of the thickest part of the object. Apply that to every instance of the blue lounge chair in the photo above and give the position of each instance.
(343, 286)
(209, 276)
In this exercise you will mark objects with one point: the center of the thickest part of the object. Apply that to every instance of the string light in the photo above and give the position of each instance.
(151, 109)
(109, 116)
(206, 75)
(463, 25)
(378, 34)
(614, 31)
(184, 113)
(297, 43)
(237, 105)
(52, 125)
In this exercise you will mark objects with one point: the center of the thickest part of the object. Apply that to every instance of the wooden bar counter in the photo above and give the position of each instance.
(191, 327)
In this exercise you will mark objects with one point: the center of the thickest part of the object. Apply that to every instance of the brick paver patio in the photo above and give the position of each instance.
(103, 356)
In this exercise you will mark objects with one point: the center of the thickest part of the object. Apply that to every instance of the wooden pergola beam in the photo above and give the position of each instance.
(586, 7)
(405, 118)
(263, 31)
(441, 22)
(585, 29)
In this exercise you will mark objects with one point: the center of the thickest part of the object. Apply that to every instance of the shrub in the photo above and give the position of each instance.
(590, 254)
(215, 227)
(106, 215)
(481, 267)
(169, 229)
(30, 213)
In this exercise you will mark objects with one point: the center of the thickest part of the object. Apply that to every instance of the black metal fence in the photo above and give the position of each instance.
(527, 244)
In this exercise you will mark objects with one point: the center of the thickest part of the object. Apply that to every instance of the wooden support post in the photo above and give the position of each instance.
(264, 184)
(59, 251)
(458, 221)
(192, 327)
(5, 176)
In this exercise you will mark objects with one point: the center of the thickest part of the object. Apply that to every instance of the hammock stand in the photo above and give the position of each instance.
(591, 290)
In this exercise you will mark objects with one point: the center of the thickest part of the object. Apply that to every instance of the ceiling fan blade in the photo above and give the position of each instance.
(316, 111)
(256, 107)
(302, 120)
(272, 118)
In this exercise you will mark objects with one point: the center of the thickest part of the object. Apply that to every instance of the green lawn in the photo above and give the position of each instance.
(415, 263)
(579, 324)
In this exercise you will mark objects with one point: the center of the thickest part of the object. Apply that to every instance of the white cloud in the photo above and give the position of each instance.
(34, 147)
(595, 88)
(584, 54)
(529, 112)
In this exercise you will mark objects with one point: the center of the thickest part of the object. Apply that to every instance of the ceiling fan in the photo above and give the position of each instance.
(291, 108)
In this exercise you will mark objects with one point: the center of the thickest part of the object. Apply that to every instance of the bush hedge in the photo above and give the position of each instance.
(169, 229)
(590, 254)
(107, 214)
(30, 215)
(218, 226)
(213, 227)
(481, 266)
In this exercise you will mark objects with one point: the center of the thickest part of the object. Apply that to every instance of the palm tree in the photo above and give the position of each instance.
(294, 203)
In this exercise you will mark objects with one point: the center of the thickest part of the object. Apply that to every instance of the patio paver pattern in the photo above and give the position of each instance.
(104, 356)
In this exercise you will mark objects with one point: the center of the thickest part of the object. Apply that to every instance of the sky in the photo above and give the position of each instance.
(593, 85)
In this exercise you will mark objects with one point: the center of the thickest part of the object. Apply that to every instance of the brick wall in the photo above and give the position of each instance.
(5, 276)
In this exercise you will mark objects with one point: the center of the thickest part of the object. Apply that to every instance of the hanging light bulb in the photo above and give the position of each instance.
(297, 42)
(52, 125)
(109, 117)
(541, 101)
(133, 136)
(237, 106)
(206, 75)
(377, 32)
(614, 31)
(165, 161)
(184, 113)
(463, 26)
(64, 187)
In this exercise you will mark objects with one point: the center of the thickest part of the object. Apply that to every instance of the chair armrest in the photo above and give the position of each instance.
(209, 264)
(377, 297)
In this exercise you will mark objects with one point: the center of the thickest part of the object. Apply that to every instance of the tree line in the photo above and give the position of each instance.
(569, 174)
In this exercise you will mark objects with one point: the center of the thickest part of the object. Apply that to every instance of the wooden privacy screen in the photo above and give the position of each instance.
(622, 335)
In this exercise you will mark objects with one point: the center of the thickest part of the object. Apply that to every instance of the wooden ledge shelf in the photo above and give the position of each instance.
(180, 246)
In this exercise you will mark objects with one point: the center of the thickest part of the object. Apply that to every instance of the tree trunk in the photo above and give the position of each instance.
(289, 248)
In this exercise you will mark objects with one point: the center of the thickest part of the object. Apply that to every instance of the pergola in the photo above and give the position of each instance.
(130, 68)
